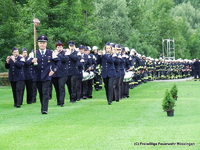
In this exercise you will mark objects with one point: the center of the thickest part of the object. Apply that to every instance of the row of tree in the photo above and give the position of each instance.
(139, 24)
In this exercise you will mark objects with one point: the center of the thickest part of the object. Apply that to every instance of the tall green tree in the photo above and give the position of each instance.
(190, 14)
(8, 26)
(194, 44)
(112, 23)
(139, 24)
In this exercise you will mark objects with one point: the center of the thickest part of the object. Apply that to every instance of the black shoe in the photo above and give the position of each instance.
(62, 105)
(89, 96)
(109, 103)
(17, 106)
(44, 112)
(117, 100)
(84, 97)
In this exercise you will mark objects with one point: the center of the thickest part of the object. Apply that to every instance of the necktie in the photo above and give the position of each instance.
(42, 53)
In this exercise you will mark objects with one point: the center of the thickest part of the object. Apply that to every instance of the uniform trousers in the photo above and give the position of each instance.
(17, 90)
(108, 83)
(43, 88)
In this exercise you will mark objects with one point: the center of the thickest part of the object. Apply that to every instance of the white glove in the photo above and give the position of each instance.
(13, 58)
(94, 57)
(82, 60)
(123, 55)
(120, 56)
(67, 53)
(114, 55)
(55, 54)
(22, 59)
(79, 54)
(100, 53)
(31, 55)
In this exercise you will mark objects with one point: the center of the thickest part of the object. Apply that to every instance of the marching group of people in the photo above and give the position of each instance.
(83, 68)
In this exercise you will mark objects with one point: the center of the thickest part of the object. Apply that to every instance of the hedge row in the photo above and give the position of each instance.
(4, 79)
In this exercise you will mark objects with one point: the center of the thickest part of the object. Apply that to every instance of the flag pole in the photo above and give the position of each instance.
(36, 23)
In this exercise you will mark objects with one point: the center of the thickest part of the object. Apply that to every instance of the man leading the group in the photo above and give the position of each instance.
(44, 71)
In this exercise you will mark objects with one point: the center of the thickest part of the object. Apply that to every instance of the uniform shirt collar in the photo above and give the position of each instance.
(42, 50)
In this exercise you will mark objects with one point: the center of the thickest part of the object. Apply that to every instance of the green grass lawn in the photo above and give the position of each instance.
(94, 125)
